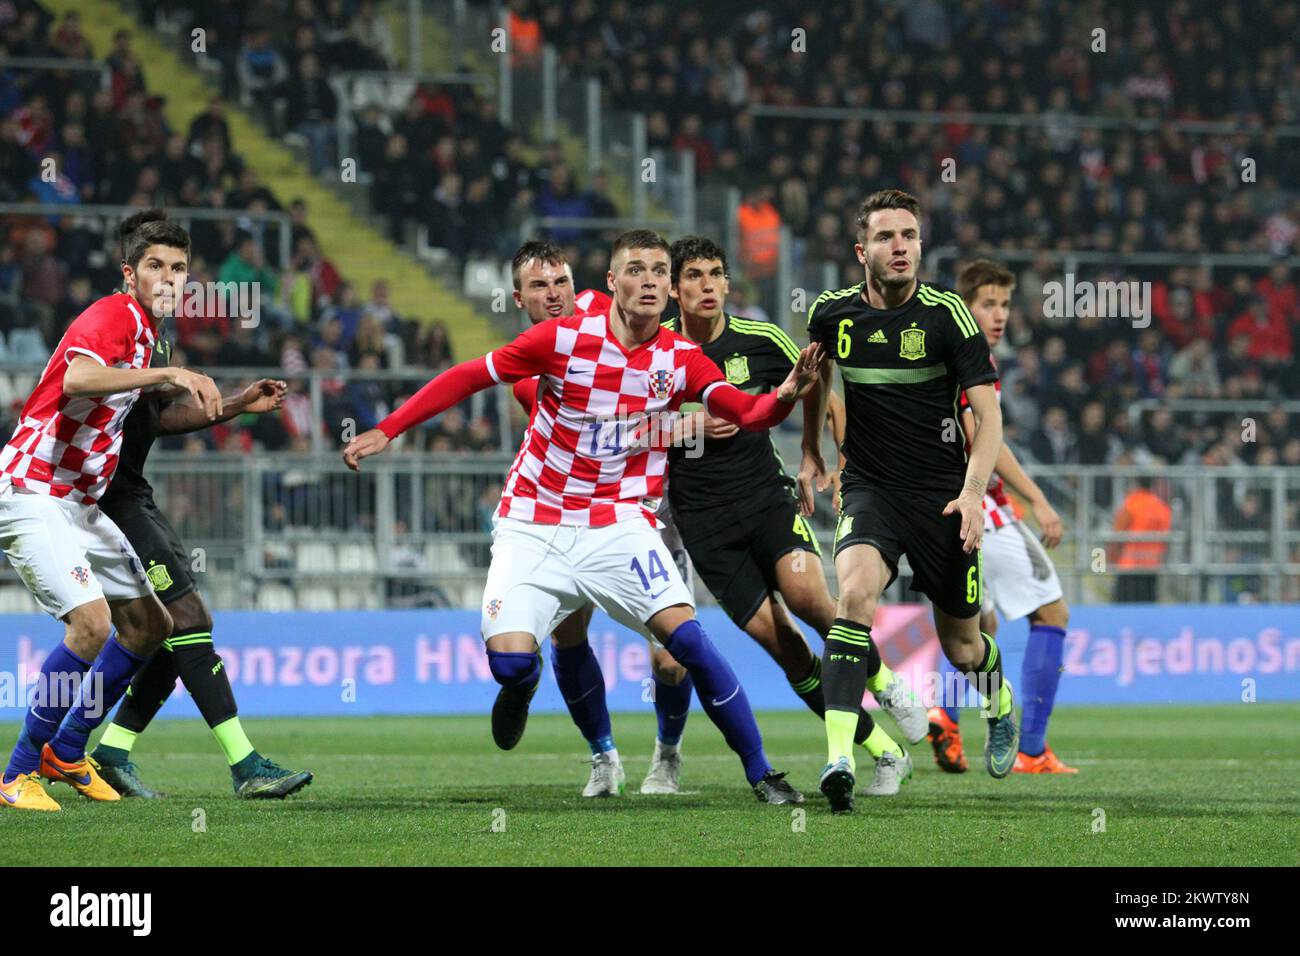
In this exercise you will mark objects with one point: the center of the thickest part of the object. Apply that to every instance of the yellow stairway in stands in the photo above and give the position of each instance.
(360, 250)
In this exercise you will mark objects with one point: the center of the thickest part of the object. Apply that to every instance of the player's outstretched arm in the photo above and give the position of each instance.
(812, 468)
(524, 357)
(983, 453)
(86, 378)
(759, 413)
(180, 417)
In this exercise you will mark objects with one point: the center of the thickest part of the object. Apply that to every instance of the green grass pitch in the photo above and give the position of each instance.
(1210, 786)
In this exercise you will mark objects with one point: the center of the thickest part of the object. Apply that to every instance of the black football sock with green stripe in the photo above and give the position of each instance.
(987, 679)
(845, 663)
(809, 690)
(204, 676)
(149, 690)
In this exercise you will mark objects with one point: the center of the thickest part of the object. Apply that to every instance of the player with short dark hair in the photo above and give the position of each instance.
(905, 349)
(1019, 577)
(77, 563)
(576, 522)
(740, 522)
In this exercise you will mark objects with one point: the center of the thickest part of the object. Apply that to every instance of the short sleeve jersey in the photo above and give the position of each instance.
(744, 471)
(68, 447)
(903, 370)
(596, 449)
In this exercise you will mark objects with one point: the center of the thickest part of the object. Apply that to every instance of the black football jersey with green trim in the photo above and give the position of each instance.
(903, 371)
(139, 432)
(742, 471)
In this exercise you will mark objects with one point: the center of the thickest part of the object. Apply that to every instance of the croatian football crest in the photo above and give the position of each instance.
(736, 369)
(912, 344)
(81, 575)
(661, 382)
(494, 608)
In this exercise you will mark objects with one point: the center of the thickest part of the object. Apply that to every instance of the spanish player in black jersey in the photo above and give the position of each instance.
(735, 509)
(189, 652)
(906, 350)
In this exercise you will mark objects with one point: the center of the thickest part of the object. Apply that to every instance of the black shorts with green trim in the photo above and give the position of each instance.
(736, 555)
(897, 523)
(156, 543)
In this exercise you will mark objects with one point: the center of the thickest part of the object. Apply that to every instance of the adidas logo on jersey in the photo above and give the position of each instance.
(878, 336)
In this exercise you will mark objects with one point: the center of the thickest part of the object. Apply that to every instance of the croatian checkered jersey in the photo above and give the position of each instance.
(595, 451)
(68, 447)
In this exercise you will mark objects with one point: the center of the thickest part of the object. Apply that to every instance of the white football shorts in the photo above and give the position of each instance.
(68, 554)
(1019, 577)
(540, 574)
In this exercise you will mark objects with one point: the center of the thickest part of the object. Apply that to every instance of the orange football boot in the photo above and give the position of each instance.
(945, 738)
(24, 793)
(81, 775)
(1046, 762)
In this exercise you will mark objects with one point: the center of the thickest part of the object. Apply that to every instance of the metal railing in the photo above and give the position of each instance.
(1047, 119)
(54, 64)
(185, 215)
(294, 530)
(333, 417)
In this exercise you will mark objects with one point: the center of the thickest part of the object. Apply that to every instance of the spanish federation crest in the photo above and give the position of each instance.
(736, 369)
(159, 576)
(912, 344)
(661, 382)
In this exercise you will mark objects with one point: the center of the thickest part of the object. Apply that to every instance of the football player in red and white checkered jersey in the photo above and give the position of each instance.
(1020, 579)
(544, 289)
(576, 522)
(77, 564)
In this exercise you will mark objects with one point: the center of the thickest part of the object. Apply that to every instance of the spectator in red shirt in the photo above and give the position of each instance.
(1268, 331)
(1280, 292)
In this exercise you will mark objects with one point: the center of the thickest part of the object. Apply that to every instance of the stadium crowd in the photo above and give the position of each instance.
(1040, 189)
(52, 267)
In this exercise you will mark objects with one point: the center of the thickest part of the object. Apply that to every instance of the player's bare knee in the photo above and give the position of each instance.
(190, 615)
(857, 604)
(1056, 614)
(963, 655)
(87, 628)
(989, 624)
(145, 626)
(666, 669)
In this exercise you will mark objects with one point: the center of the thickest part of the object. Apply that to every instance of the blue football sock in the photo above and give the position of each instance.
(672, 707)
(50, 702)
(721, 695)
(578, 674)
(101, 689)
(1039, 677)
